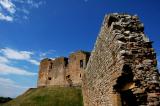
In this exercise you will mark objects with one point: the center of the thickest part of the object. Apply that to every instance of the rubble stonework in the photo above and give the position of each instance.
(63, 71)
(122, 69)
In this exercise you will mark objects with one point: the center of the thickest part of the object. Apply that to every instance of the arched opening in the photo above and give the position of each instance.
(124, 87)
(125, 78)
(128, 98)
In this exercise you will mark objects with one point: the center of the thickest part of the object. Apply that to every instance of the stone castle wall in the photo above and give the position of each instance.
(122, 67)
(121, 71)
(63, 71)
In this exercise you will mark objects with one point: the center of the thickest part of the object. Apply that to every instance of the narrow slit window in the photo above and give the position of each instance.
(50, 66)
(81, 63)
(49, 78)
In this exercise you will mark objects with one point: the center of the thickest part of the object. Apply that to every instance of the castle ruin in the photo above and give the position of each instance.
(63, 71)
(121, 71)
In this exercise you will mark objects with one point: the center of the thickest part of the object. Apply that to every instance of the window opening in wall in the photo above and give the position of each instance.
(66, 63)
(68, 76)
(81, 63)
(80, 75)
(49, 78)
(50, 66)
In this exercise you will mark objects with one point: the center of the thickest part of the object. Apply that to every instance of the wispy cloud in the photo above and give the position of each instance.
(35, 4)
(24, 10)
(18, 55)
(10, 65)
(32, 3)
(14, 54)
(35, 62)
(5, 17)
(9, 83)
(6, 69)
(9, 55)
(6, 57)
(8, 5)
(45, 54)
(10, 88)
(10, 9)
(3, 60)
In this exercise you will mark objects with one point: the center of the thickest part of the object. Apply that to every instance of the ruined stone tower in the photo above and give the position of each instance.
(122, 69)
(63, 71)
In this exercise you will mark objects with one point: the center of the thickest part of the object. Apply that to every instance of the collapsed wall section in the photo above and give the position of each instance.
(122, 67)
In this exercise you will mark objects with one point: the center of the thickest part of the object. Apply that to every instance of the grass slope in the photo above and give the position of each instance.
(50, 96)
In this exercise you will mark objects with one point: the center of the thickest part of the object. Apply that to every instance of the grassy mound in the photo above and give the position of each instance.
(50, 96)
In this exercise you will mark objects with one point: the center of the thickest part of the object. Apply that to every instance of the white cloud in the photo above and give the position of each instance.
(45, 54)
(9, 88)
(5, 81)
(35, 4)
(8, 56)
(5, 17)
(25, 11)
(3, 60)
(9, 83)
(7, 69)
(19, 55)
(33, 62)
(8, 5)
(11, 9)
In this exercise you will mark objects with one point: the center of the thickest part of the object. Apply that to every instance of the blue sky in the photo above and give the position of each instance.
(34, 29)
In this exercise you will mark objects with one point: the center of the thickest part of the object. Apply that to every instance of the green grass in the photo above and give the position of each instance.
(50, 96)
